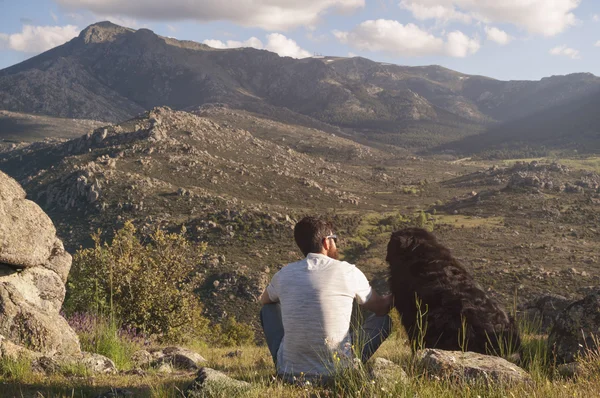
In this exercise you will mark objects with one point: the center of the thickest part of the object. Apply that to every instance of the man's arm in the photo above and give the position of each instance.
(380, 305)
(265, 299)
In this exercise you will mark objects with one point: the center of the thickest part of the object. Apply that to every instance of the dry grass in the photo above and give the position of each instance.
(254, 365)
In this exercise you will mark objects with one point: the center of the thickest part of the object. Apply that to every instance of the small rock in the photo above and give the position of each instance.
(164, 368)
(572, 369)
(234, 354)
(382, 369)
(141, 358)
(179, 358)
(97, 363)
(209, 381)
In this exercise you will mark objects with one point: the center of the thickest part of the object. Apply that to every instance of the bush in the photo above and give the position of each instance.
(147, 287)
(232, 333)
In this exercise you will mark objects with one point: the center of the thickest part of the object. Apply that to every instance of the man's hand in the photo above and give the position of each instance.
(265, 299)
(380, 305)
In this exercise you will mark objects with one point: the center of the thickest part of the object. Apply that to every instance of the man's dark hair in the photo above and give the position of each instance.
(309, 233)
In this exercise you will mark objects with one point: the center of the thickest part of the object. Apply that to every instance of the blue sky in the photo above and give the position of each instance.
(508, 39)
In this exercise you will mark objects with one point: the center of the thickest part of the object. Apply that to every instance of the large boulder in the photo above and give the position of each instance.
(543, 310)
(33, 270)
(470, 367)
(576, 329)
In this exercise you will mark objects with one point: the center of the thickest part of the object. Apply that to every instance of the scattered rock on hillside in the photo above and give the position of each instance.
(470, 366)
(544, 309)
(575, 329)
(33, 271)
(210, 381)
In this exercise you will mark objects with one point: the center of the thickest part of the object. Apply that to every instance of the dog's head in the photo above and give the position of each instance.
(409, 242)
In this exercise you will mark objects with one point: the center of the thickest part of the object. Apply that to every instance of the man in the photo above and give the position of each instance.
(307, 309)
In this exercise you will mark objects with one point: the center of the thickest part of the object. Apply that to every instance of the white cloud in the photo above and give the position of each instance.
(285, 47)
(266, 14)
(172, 28)
(460, 45)
(597, 43)
(119, 20)
(438, 12)
(406, 40)
(497, 35)
(36, 39)
(596, 18)
(251, 42)
(544, 17)
(565, 51)
(276, 42)
(54, 17)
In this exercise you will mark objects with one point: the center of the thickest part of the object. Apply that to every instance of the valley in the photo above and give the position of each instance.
(122, 129)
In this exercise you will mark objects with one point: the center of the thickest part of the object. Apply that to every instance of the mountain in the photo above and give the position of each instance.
(113, 73)
(573, 127)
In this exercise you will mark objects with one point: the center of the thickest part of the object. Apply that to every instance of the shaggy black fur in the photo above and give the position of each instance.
(423, 269)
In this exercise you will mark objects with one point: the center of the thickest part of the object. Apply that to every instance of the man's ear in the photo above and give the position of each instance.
(326, 244)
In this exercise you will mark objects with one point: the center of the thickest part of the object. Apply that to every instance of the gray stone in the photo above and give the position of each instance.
(543, 310)
(572, 369)
(179, 358)
(97, 363)
(386, 371)
(470, 367)
(211, 382)
(576, 329)
(26, 233)
(33, 269)
(141, 358)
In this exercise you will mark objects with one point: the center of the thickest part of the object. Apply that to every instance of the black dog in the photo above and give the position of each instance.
(455, 312)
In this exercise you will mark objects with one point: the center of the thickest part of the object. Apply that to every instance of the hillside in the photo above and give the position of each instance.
(22, 127)
(112, 73)
(565, 129)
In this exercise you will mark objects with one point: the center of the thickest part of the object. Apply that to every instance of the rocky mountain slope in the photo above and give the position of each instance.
(113, 73)
(569, 128)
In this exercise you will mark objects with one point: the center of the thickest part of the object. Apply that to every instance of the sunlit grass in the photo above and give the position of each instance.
(461, 221)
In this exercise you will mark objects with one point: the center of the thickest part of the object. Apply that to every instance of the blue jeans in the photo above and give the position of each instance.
(372, 331)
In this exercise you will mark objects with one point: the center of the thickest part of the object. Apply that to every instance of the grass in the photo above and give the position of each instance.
(254, 365)
(461, 221)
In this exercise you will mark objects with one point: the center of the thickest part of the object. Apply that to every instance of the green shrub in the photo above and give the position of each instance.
(148, 287)
(232, 333)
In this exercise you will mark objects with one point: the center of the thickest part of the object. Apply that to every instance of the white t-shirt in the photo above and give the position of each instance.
(316, 296)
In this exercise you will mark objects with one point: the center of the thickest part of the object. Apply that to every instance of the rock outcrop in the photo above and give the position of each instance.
(576, 329)
(33, 270)
(544, 309)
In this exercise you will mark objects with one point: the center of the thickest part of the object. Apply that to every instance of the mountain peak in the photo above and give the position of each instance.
(101, 32)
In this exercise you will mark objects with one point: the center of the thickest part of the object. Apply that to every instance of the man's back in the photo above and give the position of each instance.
(316, 296)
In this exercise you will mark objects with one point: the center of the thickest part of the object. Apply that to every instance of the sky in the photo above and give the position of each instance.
(503, 39)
